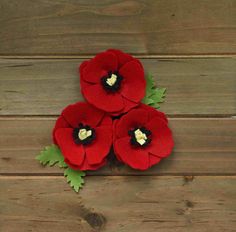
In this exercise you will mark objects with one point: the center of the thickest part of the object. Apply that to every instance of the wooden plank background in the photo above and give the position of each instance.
(140, 27)
(27, 85)
(189, 46)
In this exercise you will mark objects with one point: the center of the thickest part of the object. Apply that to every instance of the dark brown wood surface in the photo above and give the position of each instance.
(202, 146)
(137, 26)
(45, 87)
(146, 203)
(189, 47)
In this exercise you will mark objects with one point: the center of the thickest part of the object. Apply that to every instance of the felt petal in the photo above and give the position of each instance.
(153, 160)
(98, 97)
(99, 66)
(152, 112)
(82, 112)
(128, 105)
(100, 147)
(71, 151)
(156, 125)
(121, 57)
(136, 158)
(162, 140)
(82, 66)
(106, 121)
(85, 165)
(134, 118)
(133, 83)
(60, 123)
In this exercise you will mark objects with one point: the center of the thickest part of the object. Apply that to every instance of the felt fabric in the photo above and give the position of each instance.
(133, 83)
(133, 119)
(132, 86)
(83, 156)
(122, 57)
(96, 95)
(85, 165)
(152, 112)
(136, 158)
(82, 112)
(99, 66)
(60, 123)
(142, 157)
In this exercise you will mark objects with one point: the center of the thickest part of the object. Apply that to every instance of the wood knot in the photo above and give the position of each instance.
(189, 204)
(96, 220)
(188, 179)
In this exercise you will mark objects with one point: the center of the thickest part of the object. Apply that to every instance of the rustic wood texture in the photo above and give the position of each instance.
(112, 204)
(140, 27)
(189, 46)
(201, 146)
(45, 87)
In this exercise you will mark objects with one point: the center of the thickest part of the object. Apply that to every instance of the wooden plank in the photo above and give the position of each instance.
(201, 146)
(150, 204)
(45, 87)
(138, 27)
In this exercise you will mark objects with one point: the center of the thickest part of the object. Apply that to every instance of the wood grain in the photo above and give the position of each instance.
(150, 204)
(139, 27)
(201, 146)
(45, 87)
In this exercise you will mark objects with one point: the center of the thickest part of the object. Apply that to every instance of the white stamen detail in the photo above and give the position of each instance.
(84, 134)
(112, 80)
(140, 136)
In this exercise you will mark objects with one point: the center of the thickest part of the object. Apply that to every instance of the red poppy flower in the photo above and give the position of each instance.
(113, 81)
(84, 135)
(142, 137)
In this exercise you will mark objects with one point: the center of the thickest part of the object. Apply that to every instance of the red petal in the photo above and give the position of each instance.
(71, 151)
(85, 165)
(153, 160)
(97, 96)
(134, 118)
(128, 106)
(82, 112)
(121, 56)
(106, 121)
(60, 123)
(133, 83)
(99, 149)
(162, 141)
(82, 66)
(99, 66)
(137, 158)
(152, 112)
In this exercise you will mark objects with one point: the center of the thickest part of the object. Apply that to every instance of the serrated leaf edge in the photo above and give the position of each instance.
(77, 187)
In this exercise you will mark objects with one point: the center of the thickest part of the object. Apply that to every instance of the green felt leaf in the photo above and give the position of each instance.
(149, 83)
(51, 155)
(154, 95)
(74, 178)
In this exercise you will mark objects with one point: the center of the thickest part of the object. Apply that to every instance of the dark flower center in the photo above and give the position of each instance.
(83, 134)
(140, 136)
(112, 81)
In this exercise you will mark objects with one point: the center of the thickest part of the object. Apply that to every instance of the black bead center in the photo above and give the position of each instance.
(83, 134)
(140, 137)
(112, 81)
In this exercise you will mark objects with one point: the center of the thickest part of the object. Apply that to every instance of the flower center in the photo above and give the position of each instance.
(83, 134)
(111, 82)
(140, 136)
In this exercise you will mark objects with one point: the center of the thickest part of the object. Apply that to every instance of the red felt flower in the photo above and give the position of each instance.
(113, 81)
(142, 137)
(84, 135)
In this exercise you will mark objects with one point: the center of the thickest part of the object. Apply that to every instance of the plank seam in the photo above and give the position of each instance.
(97, 174)
(171, 116)
(88, 56)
